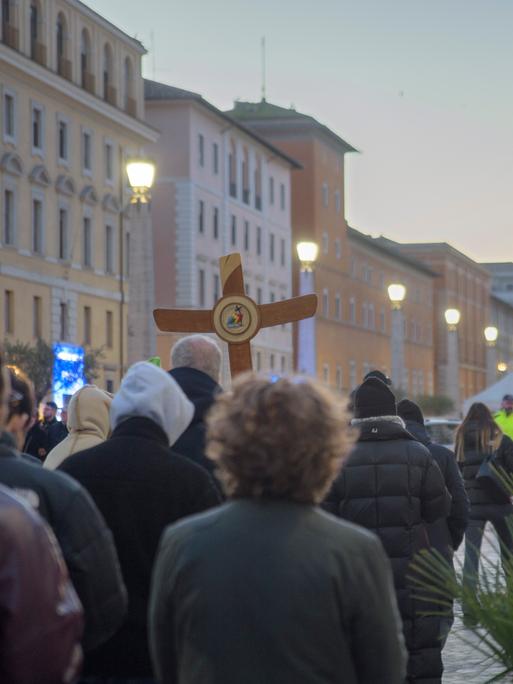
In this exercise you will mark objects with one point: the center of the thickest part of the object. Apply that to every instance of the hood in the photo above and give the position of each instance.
(418, 431)
(198, 387)
(88, 411)
(149, 392)
(381, 428)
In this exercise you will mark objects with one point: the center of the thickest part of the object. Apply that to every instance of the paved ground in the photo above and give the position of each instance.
(462, 663)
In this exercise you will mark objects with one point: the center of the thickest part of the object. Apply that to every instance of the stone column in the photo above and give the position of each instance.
(307, 347)
(141, 299)
(397, 348)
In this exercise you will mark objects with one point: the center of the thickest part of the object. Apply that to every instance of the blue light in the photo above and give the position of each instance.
(68, 371)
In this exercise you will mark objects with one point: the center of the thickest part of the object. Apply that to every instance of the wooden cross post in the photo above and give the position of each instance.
(236, 318)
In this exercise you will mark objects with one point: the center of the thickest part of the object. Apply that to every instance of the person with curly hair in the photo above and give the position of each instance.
(268, 587)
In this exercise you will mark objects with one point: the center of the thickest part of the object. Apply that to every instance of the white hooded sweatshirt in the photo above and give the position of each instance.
(88, 424)
(149, 392)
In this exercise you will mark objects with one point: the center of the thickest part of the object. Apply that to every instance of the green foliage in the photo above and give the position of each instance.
(36, 361)
(437, 405)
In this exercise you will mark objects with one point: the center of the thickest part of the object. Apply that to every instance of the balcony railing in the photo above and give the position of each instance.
(88, 82)
(10, 36)
(64, 68)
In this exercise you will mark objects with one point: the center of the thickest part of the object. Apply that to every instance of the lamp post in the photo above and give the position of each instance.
(307, 352)
(397, 294)
(141, 328)
(502, 367)
(491, 334)
(452, 318)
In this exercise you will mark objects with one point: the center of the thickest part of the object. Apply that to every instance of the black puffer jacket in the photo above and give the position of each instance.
(484, 505)
(86, 542)
(391, 485)
(445, 534)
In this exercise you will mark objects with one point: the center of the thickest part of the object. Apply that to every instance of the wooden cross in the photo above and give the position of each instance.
(236, 318)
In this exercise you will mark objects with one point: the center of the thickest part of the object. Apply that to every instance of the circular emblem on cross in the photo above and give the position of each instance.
(236, 319)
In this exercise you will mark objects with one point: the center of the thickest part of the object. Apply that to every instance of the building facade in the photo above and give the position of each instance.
(353, 271)
(220, 189)
(72, 112)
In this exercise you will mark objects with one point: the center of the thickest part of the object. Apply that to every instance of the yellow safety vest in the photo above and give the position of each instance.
(505, 422)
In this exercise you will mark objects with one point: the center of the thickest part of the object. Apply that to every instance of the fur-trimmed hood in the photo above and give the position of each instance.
(381, 428)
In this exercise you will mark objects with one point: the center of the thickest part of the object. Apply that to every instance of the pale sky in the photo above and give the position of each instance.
(422, 88)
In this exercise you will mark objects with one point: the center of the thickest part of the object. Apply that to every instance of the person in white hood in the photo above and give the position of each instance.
(141, 486)
(88, 424)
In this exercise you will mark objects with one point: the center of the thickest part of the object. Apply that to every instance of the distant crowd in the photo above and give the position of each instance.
(182, 534)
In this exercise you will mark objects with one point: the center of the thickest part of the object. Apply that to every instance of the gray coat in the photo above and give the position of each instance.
(274, 592)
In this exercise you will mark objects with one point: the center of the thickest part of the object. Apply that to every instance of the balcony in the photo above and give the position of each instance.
(64, 68)
(111, 95)
(38, 53)
(131, 106)
(10, 36)
(88, 82)
(233, 190)
(245, 196)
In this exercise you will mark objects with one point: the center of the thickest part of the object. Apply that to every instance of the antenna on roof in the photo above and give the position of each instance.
(263, 70)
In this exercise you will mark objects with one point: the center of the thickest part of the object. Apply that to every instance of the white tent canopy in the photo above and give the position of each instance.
(492, 396)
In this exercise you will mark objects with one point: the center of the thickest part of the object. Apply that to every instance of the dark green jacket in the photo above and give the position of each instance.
(267, 592)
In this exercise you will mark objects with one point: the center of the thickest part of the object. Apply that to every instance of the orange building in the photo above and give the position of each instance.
(353, 271)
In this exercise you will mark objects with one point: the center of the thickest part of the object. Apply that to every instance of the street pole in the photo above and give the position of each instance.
(307, 352)
(452, 318)
(397, 348)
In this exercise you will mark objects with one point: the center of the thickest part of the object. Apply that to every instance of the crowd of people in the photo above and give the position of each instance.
(181, 534)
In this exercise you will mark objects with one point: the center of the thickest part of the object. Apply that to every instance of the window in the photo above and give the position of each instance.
(63, 233)
(109, 249)
(201, 287)
(63, 319)
(338, 249)
(337, 201)
(326, 373)
(62, 135)
(201, 150)
(234, 230)
(34, 29)
(272, 297)
(201, 216)
(338, 308)
(87, 325)
(37, 129)
(215, 158)
(246, 236)
(282, 196)
(61, 44)
(259, 240)
(325, 194)
(282, 252)
(283, 364)
(216, 287)
(338, 378)
(37, 226)
(364, 315)
(9, 218)
(352, 375)
(371, 317)
(109, 329)
(258, 361)
(85, 52)
(9, 117)
(325, 303)
(271, 362)
(216, 223)
(86, 152)
(352, 310)
(8, 312)
(382, 320)
(129, 104)
(109, 386)
(325, 243)
(87, 256)
(271, 190)
(37, 317)
(271, 246)
(109, 161)
(259, 295)
(108, 91)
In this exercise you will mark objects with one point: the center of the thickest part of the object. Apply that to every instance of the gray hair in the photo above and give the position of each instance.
(199, 352)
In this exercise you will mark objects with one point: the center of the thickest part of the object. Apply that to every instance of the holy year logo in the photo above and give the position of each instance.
(236, 319)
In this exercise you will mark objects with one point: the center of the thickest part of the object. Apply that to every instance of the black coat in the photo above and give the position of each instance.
(483, 504)
(391, 485)
(201, 389)
(273, 592)
(85, 541)
(140, 486)
(446, 534)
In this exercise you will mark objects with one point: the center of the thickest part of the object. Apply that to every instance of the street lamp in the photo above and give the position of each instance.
(141, 174)
(502, 367)
(491, 334)
(397, 295)
(307, 349)
(452, 318)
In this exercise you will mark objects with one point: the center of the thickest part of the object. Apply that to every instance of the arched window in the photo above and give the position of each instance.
(128, 76)
(85, 60)
(35, 18)
(107, 73)
(10, 32)
(63, 65)
(232, 166)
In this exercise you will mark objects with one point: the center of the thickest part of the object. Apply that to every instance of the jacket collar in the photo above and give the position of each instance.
(381, 428)
(198, 387)
(143, 428)
(418, 431)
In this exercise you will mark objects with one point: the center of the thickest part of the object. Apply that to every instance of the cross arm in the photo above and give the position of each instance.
(184, 320)
(288, 310)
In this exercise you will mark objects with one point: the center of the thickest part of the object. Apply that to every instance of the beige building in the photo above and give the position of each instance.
(72, 111)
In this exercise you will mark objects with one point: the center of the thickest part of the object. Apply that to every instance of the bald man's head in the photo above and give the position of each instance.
(199, 352)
